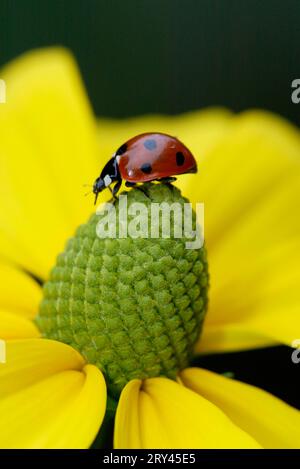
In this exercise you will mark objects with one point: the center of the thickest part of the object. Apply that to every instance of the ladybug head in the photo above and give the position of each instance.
(98, 186)
(109, 174)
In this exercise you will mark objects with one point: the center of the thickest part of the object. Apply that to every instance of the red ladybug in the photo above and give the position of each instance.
(146, 157)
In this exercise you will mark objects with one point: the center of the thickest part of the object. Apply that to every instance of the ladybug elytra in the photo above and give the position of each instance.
(146, 157)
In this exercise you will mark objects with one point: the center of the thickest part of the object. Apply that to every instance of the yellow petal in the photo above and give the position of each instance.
(62, 411)
(250, 184)
(49, 398)
(19, 293)
(270, 314)
(19, 299)
(229, 338)
(32, 360)
(267, 419)
(199, 130)
(48, 150)
(160, 413)
(15, 326)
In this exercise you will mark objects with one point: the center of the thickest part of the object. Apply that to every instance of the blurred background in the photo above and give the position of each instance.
(170, 56)
(187, 54)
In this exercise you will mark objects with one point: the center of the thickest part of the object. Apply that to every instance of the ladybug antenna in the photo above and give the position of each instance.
(96, 197)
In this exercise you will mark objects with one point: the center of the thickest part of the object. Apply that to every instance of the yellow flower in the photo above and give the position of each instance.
(249, 180)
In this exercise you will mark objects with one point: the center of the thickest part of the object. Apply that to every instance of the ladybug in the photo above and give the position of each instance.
(146, 157)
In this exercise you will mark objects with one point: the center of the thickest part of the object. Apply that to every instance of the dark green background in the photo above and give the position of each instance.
(169, 56)
(141, 56)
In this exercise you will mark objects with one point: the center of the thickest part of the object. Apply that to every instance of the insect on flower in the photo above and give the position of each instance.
(146, 157)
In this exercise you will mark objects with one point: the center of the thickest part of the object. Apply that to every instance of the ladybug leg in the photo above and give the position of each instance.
(167, 180)
(116, 188)
(114, 197)
(143, 191)
(134, 184)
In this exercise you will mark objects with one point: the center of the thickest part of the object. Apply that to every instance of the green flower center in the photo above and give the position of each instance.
(132, 306)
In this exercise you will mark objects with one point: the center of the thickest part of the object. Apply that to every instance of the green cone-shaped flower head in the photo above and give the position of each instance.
(133, 306)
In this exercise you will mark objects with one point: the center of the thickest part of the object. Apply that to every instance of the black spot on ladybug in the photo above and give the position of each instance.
(179, 158)
(146, 168)
(122, 149)
(150, 144)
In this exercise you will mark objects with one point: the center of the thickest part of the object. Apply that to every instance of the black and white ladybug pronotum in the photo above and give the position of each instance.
(146, 157)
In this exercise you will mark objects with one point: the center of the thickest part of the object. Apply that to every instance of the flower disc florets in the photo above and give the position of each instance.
(132, 306)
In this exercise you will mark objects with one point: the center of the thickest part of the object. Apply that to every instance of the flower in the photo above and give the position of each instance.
(249, 180)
